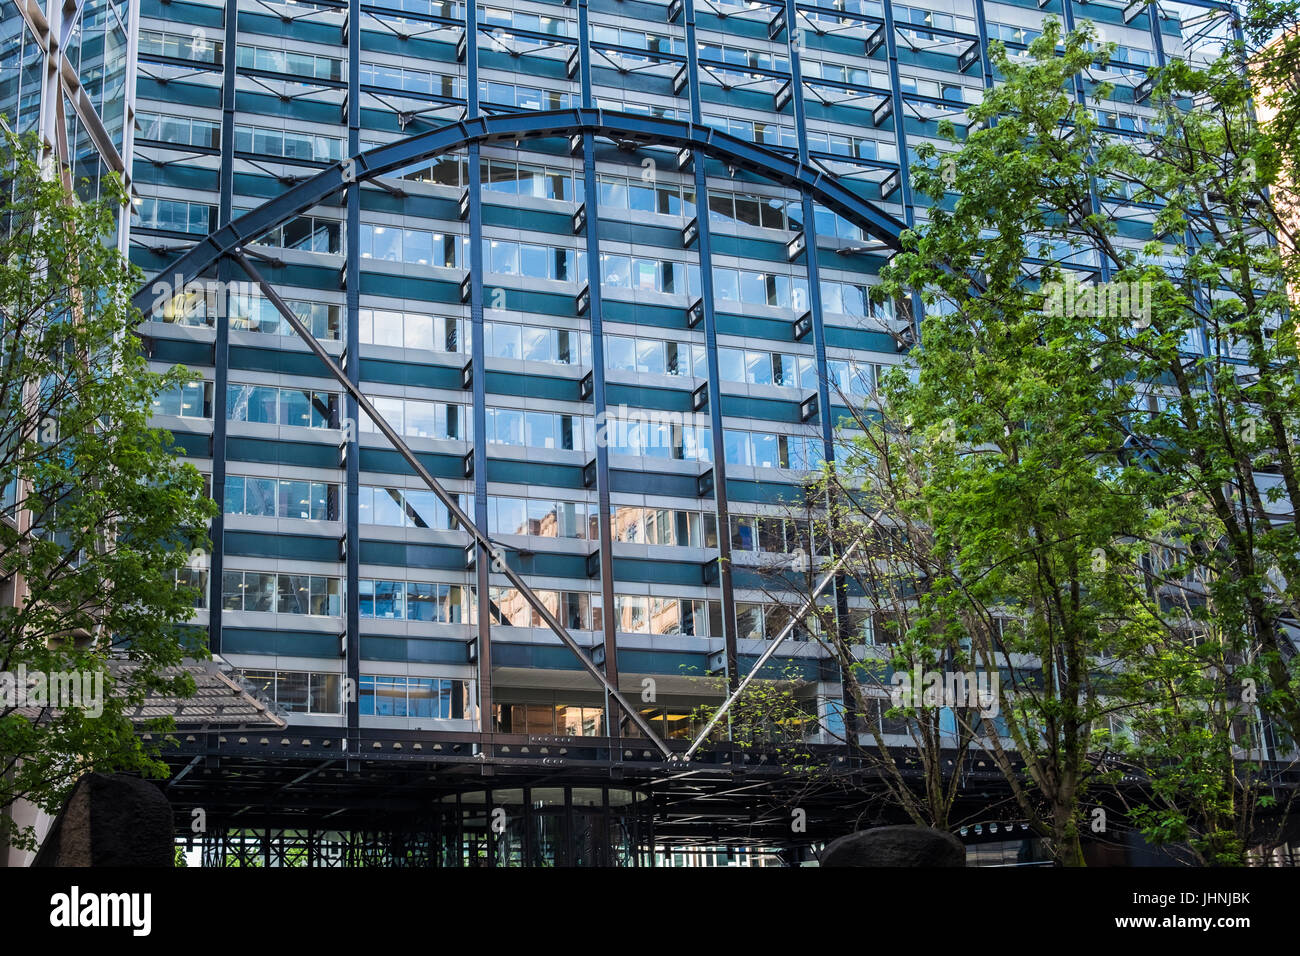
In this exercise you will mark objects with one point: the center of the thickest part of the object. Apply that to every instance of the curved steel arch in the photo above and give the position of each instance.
(643, 130)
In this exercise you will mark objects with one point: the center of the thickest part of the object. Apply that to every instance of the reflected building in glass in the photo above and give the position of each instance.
(68, 71)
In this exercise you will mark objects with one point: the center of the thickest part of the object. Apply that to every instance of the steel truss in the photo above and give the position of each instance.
(625, 128)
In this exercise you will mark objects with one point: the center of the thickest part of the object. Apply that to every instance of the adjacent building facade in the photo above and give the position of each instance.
(67, 73)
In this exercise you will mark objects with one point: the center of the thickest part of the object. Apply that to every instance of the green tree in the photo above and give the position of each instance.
(1076, 434)
(1020, 405)
(98, 516)
(871, 504)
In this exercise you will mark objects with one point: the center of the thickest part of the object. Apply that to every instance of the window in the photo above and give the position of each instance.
(180, 130)
(382, 599)
(196, 578)
(174, 215)
(506, 257)
(404, 508)
(537, 517)
(530, 343)
(765, 450)
(524, 97)
(762, 211)
(297, 692)
(197, 48)
(255, 314)
(419, 419)
(281, 498)
(640, 435)
(520, 179)
(436, 603)
(304, 65)
(416, 246)
(189, 400)
(649, 275)
(308, 594)
(307, 234)
(392, 79)
(268, 592)
(509, 426)
(437, 698)
(760, 288)
(618, 193)
(411, 601)
(286, 143)
(269, 405)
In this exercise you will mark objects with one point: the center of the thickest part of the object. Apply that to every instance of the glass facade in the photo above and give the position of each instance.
(605, 346)
(87, 85)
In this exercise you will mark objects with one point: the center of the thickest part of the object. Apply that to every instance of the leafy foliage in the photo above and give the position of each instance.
(98, 513)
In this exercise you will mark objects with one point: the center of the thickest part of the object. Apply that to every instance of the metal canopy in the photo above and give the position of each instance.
(218, 701)
(623, 127)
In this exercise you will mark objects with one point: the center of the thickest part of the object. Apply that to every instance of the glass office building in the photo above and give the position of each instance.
(68, 73)
(615, 307)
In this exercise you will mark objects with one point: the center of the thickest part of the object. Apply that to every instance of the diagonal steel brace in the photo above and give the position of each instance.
(786, 631)
(448, 499)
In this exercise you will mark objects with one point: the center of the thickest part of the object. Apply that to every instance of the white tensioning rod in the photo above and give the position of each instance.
(786, 631)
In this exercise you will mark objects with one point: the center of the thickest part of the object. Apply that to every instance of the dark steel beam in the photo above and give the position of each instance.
(352, 365)
(513, 127)
(478, 369)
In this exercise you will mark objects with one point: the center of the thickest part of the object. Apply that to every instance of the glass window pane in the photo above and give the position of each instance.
(758, 368)
(232, 591)
(422, 697)
(259, 591)
(389, 599)
(620, 352)
(736, 447)
(233, 503)
(390, 696)
(536, 344)
(387, 328)
(422, 420)
(294, 594)
(731, 365)
(292, 692)
(325, 693)
(421, 601)
(295, 407)
(650, 356)
(294, 499)
(541, 431)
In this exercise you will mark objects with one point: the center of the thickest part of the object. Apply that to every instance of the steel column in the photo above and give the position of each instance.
(595, 317)
(221, 346)
(352, 365)
(721, 509)
(478, 361)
